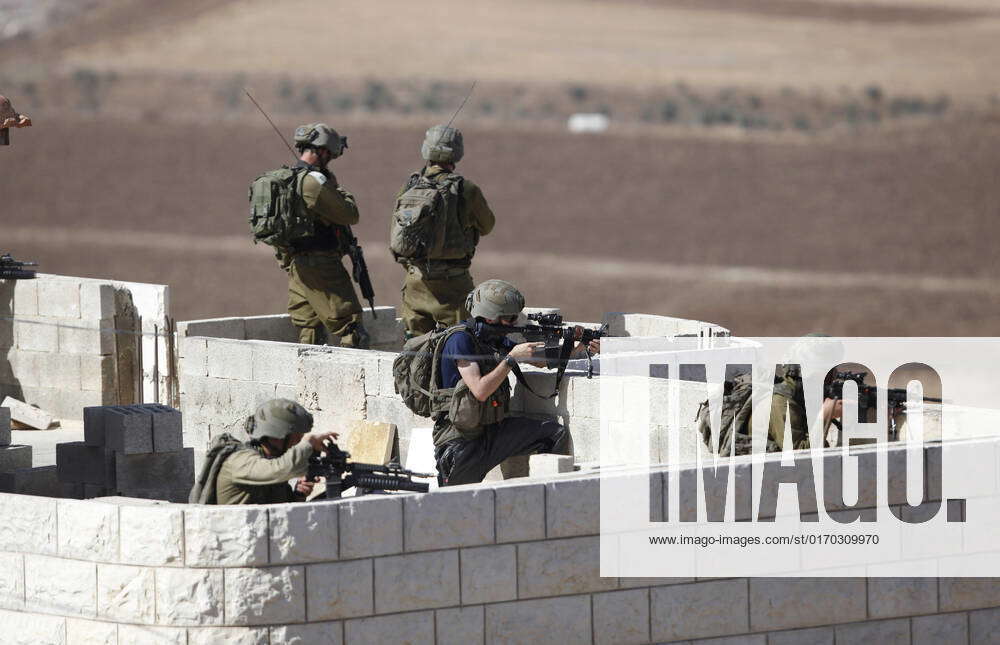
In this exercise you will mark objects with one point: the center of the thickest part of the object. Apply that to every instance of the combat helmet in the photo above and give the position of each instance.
(320, 135)
(493, 299)
(444, 144)
(278, 418)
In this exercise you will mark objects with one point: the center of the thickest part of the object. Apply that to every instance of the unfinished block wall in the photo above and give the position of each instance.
(224, 377)
(512, 562)
(58, 341)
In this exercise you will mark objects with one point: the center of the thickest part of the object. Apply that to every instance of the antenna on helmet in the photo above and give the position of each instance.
(455, 115)
(276, 130)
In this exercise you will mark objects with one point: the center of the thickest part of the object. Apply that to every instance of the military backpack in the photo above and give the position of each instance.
(428, 223)
(278, 214)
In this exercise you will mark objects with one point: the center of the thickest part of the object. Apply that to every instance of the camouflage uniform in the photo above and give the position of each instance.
(435, 288)
(249, 477)
(788, 403)
(321, 298)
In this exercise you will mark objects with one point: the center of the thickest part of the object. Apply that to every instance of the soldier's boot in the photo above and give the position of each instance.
(356, 337)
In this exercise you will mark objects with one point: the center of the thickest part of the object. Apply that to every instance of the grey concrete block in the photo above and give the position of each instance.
(416, 581)
(565, 620)
(557, 567)
(128, 430)
(884, 632)
(78, 463)
(4, 427)
(460, 626)
(621, 617)
(93, 425)
(943, 629)
(158, 471)
(14, 457)
(702, 609)
(29, 415)
(984, 627)
(543, 465)
(520, 513)
(167, 428)
(892, 597)
(816, 636)
(40, 481)
(59, 298)
(783, 603)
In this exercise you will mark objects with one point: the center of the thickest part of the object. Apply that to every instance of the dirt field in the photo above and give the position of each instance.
(834, 236)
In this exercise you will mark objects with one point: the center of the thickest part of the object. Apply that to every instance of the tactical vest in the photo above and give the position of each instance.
(429, 222)
(279, 216)
(416, 373)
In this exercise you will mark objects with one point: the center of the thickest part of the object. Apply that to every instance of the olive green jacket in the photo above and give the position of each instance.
(248, 477)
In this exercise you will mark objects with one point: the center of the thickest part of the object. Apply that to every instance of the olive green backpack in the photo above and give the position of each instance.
(278, 214)
(427, 223)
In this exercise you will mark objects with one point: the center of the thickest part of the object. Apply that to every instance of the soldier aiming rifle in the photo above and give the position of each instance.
(341, 474)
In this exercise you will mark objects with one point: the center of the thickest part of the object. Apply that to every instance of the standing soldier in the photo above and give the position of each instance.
(321, 298)
(436, 225)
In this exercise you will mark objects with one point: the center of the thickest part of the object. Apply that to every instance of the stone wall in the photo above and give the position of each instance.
(58, 341)
(510, 562)
(224, 376)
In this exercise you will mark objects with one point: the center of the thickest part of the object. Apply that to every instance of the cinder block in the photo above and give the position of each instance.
(572, 507)
(59, 298)
(193, 360)
(460, 626)
(126, 594)
(308, 634)
(11, 581)
(892, 597)
(339, 590)
(489, 574)
(157, 471)
(968, 593)
(520, 512)
(128, 429)
(543, 465)
(944, 629)
(785, 604)
(94, 535)
(537, 621)
(29, 415)
(29, 524)
(25, 298)
(189, 596)
(889, 632)
(14, 457)
(60, 586)
(417, 581)
(41, 481)
(815, 636)
(230, 360)
(371, 526)
(984, 626)
(76, 462)
(88, 337)
(168, 434)
(274, 363)
(36, 334)
(97, 373)
(149, 635)
(621, 617)
(556, 567)
(245, 530)
(228, 636)
(234, 328)
(97, 300)
(416, 628)
(303, 532)
(151, 534)
(59, 371)
(276, 328)
(93, 425)
(448, 519)
(265, 596)
(701, 609)
(4, 427)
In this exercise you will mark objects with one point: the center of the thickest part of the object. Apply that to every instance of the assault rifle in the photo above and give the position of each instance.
(868, 396)
(11, 269)
(341, 474)
(559, 341)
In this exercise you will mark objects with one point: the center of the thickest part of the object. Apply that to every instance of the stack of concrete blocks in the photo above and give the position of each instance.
(514, 562)
(16, 473)
(133, 451)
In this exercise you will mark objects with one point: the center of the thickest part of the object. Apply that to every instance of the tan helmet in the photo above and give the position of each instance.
(444, 144)
(493, 299)
(320, 135)
(278, 418)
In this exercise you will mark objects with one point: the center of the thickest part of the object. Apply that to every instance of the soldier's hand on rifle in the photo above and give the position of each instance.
(525, 351)
(304, 486)
(318, 439)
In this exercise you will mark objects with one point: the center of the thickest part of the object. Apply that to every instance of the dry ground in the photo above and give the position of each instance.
(836, 235)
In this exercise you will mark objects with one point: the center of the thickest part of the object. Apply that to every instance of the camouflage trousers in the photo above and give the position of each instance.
(322, 302)
(437, 298)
